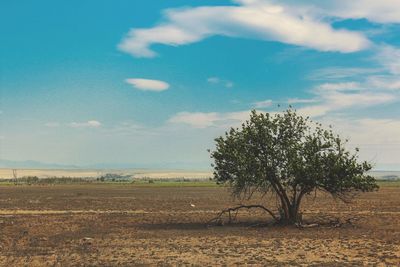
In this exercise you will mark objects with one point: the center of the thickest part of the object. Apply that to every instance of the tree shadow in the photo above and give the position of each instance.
(204, 225)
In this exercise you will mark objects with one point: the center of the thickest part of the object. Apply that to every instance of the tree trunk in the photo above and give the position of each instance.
(290, 215)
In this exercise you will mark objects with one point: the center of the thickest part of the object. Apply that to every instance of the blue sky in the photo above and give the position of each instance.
(153, 82)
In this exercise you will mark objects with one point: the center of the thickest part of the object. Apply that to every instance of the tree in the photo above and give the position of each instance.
(289, 156)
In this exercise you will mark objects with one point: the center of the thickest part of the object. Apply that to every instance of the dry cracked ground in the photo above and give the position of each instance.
(127, 225)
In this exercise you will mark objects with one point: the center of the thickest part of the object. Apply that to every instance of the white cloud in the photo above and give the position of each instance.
(368, 131)
(214, 80)
(359, 88)
(335, 73)
(148, 85)
(382, 11)
(342, 100)
(196, 119)
(229, 84)
(334, 100)
(389, 57)
(339, 86)
(315, 111)
(88, 124)
(300, 101)
(263, 104)
(384, 82)
(251, 19)
(217, 80)
(378, 139)
(211, 119)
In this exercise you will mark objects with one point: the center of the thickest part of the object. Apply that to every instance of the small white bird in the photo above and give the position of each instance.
(192, 205)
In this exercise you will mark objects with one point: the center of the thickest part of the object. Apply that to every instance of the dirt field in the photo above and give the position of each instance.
(127, 225)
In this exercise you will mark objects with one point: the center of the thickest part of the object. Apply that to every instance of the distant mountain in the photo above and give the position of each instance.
(386, 175)
(205, 166)
(31, 164)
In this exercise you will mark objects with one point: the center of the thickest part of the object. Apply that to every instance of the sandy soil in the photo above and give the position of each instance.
(110, 225)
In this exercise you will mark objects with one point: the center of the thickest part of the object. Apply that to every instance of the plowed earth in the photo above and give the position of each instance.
(117, 225)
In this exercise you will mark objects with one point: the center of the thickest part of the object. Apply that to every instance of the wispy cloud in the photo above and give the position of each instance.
(196, 119)
(367, 131)
(213, 80)
(389, 57)
(383, 11)
(88, 124)
(335, 73)
(263, 104)
(329, 97)
(251, 19)
(337, 101)
(391, 82)
(128, 128)
(229, 84)
(358, 88)
(341, 86)
(148, 84)
(300, 101)
(219, 81)
(378, 139)
(210, 119)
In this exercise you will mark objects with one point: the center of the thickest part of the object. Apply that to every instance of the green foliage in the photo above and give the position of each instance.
(291, 156)
(114, 177)
(31, 180)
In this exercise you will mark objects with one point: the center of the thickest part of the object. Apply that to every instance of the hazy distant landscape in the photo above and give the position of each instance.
(97, 173)
(7, 173)
(386, 175)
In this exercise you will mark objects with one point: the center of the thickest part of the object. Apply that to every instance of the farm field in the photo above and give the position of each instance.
(131, 225)
(7, 173)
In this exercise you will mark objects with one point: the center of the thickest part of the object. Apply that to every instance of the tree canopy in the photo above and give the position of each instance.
(289, 156)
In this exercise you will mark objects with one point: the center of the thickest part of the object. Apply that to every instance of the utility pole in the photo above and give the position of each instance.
(15, 176)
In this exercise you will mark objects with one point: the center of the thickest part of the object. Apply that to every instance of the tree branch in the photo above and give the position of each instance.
(236, 209)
